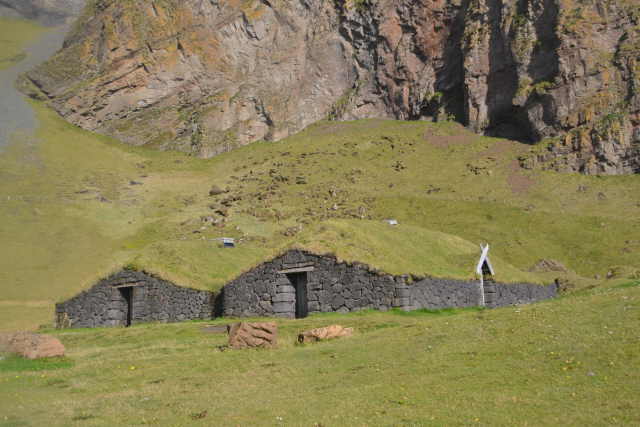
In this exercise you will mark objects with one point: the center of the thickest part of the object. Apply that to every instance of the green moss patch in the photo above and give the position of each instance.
(12, 363)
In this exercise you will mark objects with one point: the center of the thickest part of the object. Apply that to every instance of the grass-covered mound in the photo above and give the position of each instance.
(403, 248)
(570, 361)
(76, 206)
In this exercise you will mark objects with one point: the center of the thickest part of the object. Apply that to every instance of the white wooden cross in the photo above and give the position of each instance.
(484, 258)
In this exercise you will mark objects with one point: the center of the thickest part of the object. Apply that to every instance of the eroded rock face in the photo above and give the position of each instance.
(198, 75)
(205, 76)
(48, 12)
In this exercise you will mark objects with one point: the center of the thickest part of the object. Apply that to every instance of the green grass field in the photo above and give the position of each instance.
(15, 34)
(73, 215)
(571, 361)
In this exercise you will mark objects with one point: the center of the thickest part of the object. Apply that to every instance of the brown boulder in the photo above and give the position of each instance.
(245, 335)
(31, 345)
(326, 333)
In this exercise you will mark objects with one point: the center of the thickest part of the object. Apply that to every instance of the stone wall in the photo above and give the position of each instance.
(267, 290)
(440, 293)
(445, 293)
(499, 295)
(153, 299)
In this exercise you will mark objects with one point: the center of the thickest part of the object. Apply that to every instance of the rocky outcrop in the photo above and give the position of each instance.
(205, 76)
(48, 12)
(198, 75)
(589, 106)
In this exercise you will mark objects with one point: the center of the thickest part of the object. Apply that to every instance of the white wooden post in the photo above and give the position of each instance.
(484, 257)
(482, 303)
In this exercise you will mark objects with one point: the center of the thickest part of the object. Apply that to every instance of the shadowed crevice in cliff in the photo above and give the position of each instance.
(524, 62)
(450, 76)
(543, 70)
(544, 65)
(502, 82)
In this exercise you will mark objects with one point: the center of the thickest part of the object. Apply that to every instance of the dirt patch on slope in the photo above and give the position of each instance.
(448, 141)
(496, 150)
(518, 182)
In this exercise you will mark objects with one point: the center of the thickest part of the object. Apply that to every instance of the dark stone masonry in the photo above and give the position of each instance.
(299, 282)
(294, 284)
(130, 297)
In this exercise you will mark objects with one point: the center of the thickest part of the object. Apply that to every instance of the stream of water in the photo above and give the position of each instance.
(16, 115)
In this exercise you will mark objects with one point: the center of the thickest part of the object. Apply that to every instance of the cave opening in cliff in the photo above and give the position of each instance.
(511, 125)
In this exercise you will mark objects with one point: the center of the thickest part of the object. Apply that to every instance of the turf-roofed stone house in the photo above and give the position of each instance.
(299, 283)
(130, 297)
(294, 285)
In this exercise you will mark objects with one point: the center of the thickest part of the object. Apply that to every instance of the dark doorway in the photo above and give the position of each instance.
(486, 273)
(127, 294)
(299, 282)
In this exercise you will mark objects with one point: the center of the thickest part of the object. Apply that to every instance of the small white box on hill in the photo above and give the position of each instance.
(391, 221)
(228, 242)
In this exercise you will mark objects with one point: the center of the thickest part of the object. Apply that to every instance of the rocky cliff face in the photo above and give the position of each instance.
(205, 76)
(48, 12)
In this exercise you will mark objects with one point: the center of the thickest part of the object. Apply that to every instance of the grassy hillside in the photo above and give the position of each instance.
(571, 361)
(15, 34)
(77, 206)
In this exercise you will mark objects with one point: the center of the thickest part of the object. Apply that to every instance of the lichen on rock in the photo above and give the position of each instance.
(205, 77)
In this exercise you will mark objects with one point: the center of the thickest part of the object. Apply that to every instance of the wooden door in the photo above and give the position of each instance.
(299, 281)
